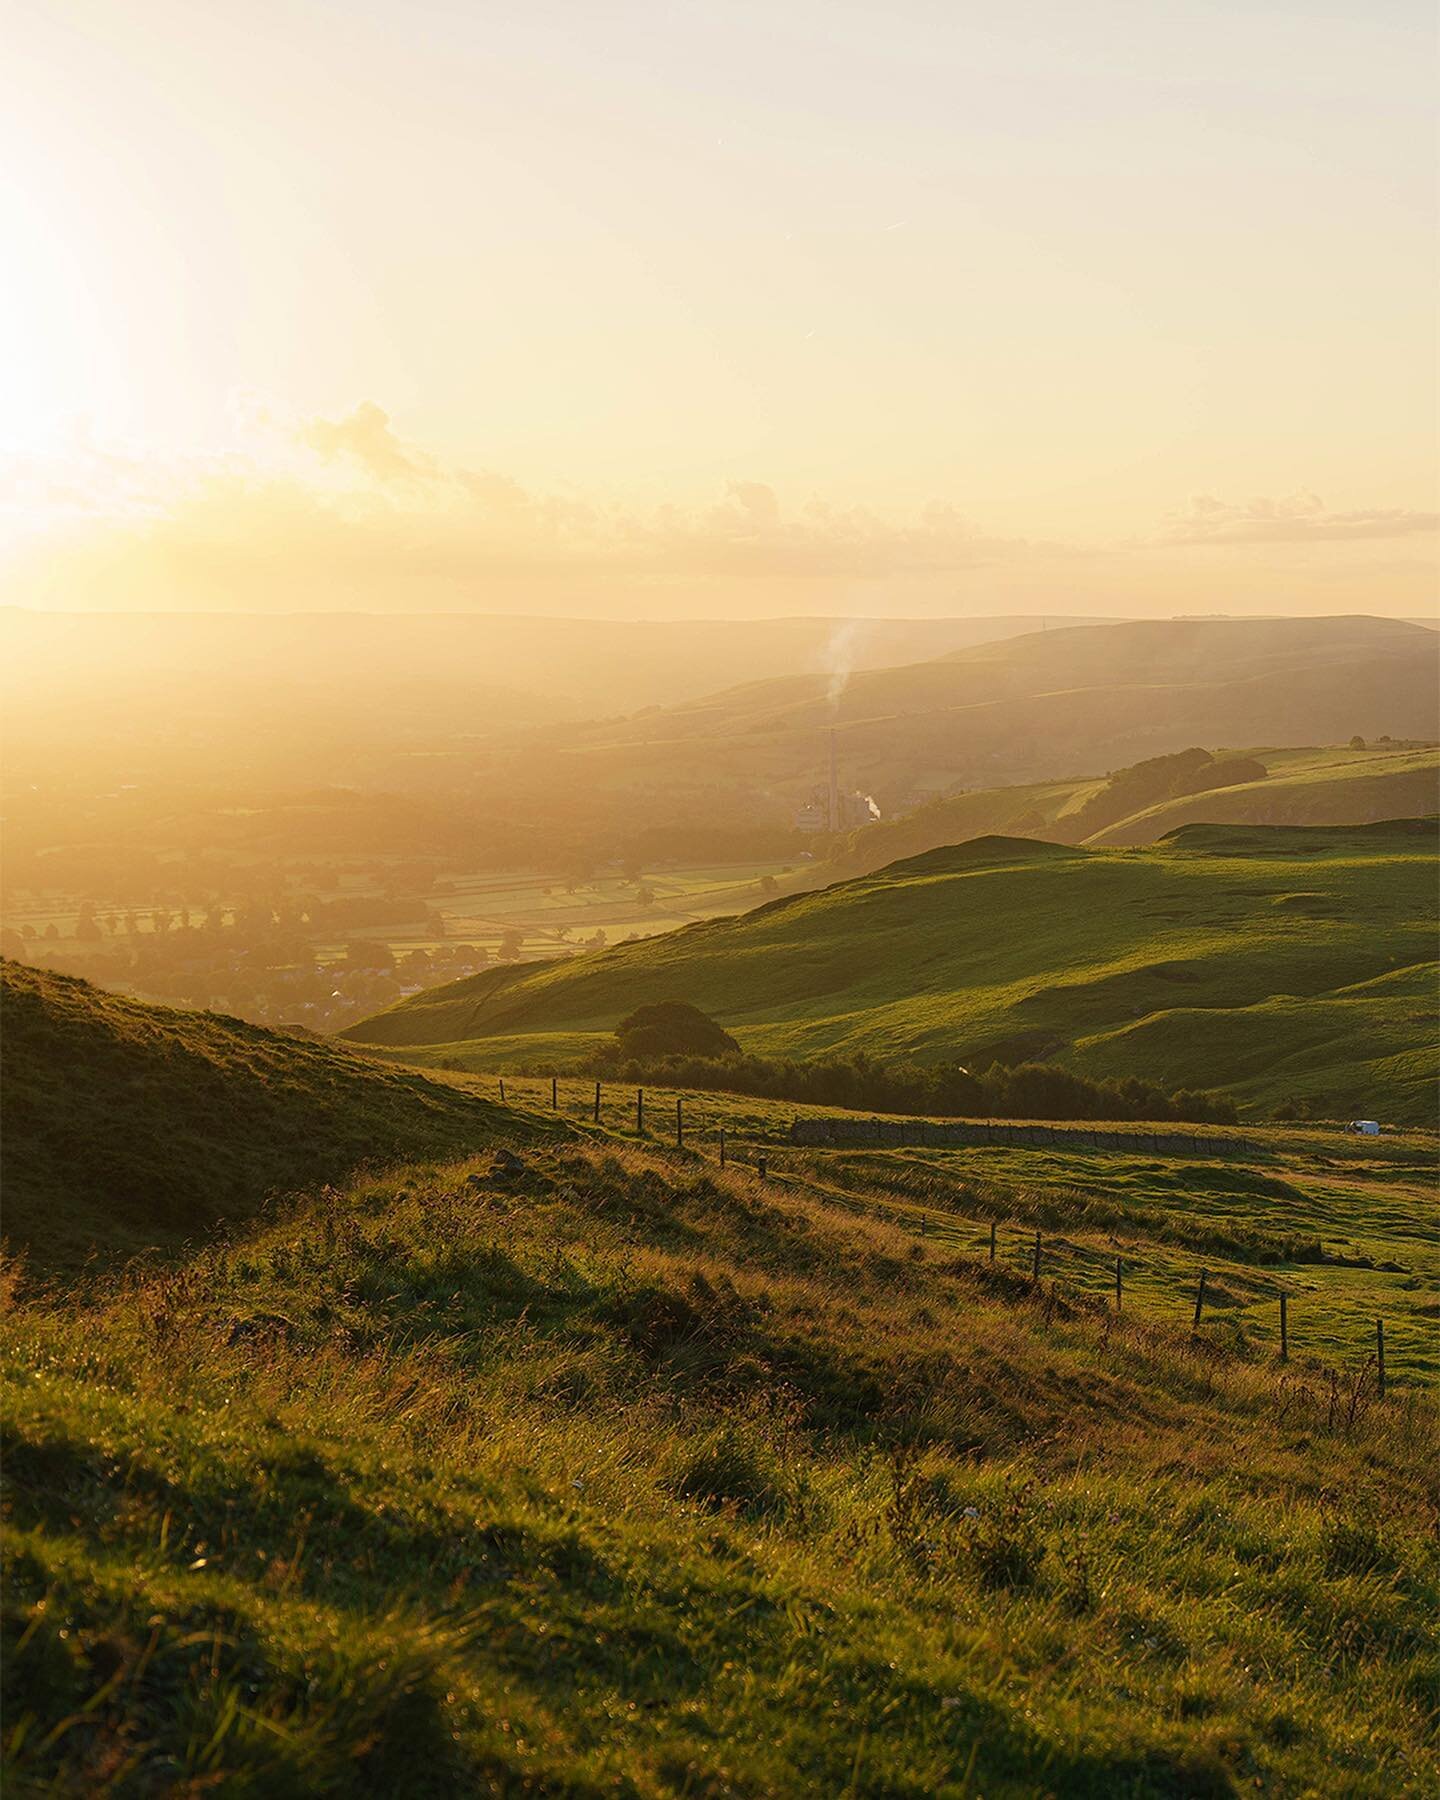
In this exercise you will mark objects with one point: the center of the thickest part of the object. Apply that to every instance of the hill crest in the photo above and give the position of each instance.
(130, 1126)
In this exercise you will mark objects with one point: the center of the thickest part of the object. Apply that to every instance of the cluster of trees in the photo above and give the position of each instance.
(672, 1044)
(1162, 778)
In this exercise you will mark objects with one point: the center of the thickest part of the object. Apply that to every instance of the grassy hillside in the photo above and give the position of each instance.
(626, 1475)
(1345, 1225)
(1032, 708)
(1327, 787)
(1323, 786)
(1266, 962)
(128, 1125)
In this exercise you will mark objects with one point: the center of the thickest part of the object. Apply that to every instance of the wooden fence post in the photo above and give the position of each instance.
(597, 1102)
(639, 1112)
(763, 1165)
(1199, 1302)
(1284, 1326)
(992, 1240)
(1380, 1355)
(502, 1090)
(1119, 1286)
(722, 1146)
(679, 1124)
(554, 1092)
(1036, 1274)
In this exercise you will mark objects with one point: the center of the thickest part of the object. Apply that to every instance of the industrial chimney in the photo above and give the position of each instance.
(832, 810)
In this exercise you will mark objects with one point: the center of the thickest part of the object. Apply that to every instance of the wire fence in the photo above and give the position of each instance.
(670, 1120)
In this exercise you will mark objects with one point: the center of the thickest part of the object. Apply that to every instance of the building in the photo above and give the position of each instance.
(833, 808)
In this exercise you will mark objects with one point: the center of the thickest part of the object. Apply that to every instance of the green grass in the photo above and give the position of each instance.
(1331, 786)
(129, 1126)
(1344, 1226)
(619, 1473)
(629, 1476)
(1303, 787)
(1265, 962)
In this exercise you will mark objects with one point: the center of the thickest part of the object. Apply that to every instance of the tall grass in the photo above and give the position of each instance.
(622, 1474)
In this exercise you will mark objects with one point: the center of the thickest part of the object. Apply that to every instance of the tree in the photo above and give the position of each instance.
(363, 954)
(1357, 742)
(645, 895)
(672, 1028)
(511, 944)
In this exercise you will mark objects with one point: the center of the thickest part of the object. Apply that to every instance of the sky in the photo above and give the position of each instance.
(741, 308)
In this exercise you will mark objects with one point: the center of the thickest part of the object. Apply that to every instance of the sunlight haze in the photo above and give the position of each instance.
(691, 310)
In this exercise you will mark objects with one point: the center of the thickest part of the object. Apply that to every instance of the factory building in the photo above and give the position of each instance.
(833, 808)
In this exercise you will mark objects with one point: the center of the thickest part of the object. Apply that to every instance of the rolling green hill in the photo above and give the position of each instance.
(1330, 786)
(128, 1126)
(1032, 708)
(1267, 962)
(1302, 787)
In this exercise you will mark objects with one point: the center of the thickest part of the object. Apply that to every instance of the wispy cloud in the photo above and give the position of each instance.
(366, 438)
(351, 487)
(1301, 517)
(343, 511)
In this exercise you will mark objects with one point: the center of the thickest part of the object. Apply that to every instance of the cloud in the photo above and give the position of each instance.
(365, 436)
(1298, 518)
(299, 493)
(343, 511)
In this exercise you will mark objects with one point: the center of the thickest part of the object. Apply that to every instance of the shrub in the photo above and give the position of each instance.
(673, 1028)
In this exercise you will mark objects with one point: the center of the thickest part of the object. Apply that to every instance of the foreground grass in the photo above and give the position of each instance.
(623, 1474)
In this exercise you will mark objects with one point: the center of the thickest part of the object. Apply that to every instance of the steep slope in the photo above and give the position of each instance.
(127, 1125)
(1155, 962)
(1039, 707)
